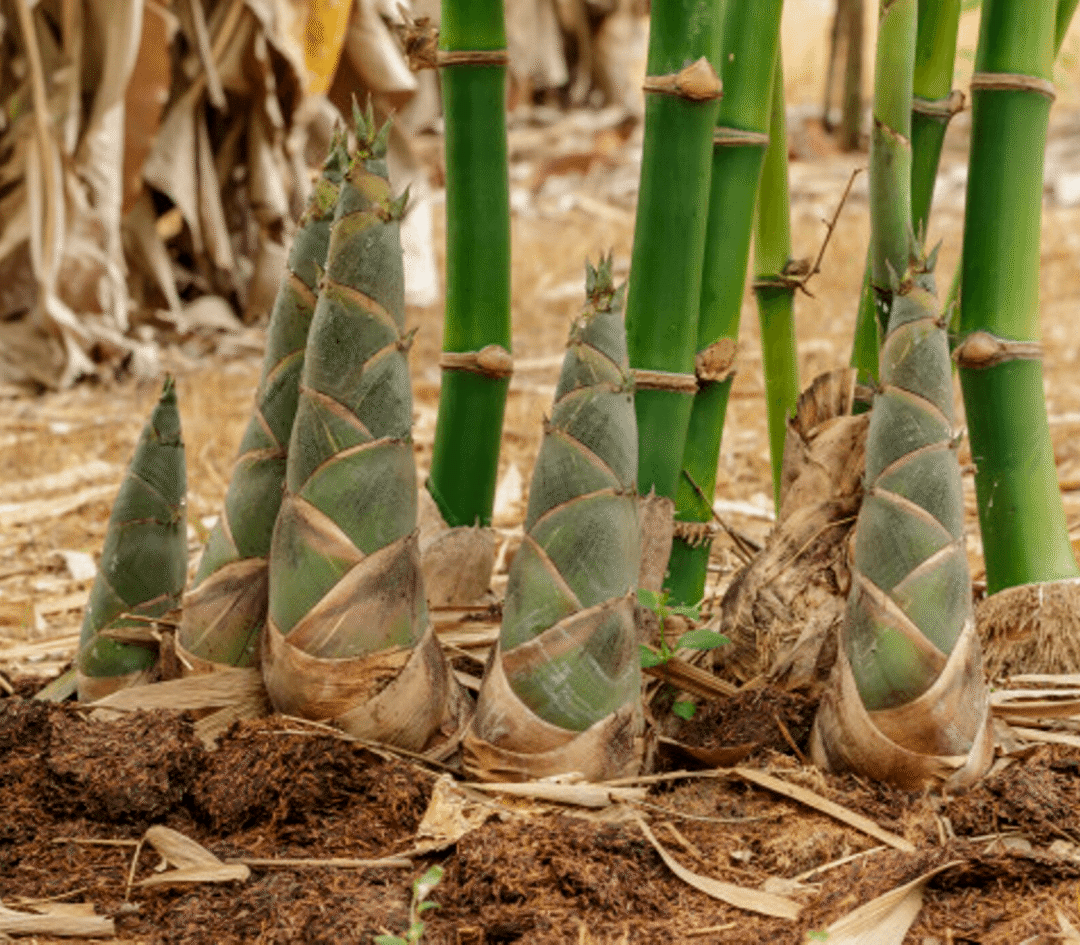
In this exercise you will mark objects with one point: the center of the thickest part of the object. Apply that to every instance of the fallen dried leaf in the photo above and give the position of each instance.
(824, 805)
(193, 863)
(753, 900)
(886, 919)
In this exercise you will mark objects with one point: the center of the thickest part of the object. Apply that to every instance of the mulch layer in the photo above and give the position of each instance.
(530, 874)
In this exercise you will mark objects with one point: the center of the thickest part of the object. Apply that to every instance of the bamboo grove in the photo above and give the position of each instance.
(329, 553)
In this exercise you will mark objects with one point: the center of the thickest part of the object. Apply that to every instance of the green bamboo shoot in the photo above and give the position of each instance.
(909, 702)
(225, 610)
(562, 691)
(751, 35)
(143, 564)
(348, 638)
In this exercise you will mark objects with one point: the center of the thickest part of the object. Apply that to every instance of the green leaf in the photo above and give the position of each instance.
(818, 936)
(416, 930)
(682, 610)
(684, 710)
(389, 940)
(424, 906)
(650, 657)
(650, 599)
(427, 882)
(702, 639)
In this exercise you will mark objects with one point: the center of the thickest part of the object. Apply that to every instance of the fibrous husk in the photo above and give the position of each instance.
(562, 691)
(1033, 628)
(944, 736)
(457, 562)
(781, 611)
(507, 741)
(348, 638)
(908, 700)
(656, 513)
(144, 560)
(225, 610)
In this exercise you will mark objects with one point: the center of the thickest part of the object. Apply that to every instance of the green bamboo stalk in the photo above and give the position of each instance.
(225, 610)
(1022, 519)
(908, 627)
(472, 401)
(774, 283)
(669, 236)
(347, 616)
(568, 657)
(933, 106)
(143, 563)
(751, 35)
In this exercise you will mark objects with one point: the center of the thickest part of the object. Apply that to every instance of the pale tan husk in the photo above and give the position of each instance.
(92, 688)
(406, 697)
(781, 612)
(1033, 628)
(943, 737)
(507, 741)
(457, 562)
(240, 587)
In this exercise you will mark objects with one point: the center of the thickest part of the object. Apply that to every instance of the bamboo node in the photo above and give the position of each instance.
(696, 534)
(940, 108)
(1012, 82)
(646, 379)
(697, 82)
(738, 138)
(420, 39)
(779, 281)
(983, 350)
(471, 57)
(492, 361)
(715, 363)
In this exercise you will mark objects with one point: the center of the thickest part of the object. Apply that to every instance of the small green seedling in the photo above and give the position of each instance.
(419, 905)
(696, 639)
(817, 936)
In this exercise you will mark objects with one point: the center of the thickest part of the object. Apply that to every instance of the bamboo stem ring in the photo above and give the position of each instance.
(492, 361)
(696, 534)
(645, 379)
(1012, 82)
(940, 108)
(715, 364)
(471, 57)
(738, 138)
(982, 350)
(698, 82)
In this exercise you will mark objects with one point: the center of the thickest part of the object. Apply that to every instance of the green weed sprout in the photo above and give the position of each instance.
(420, 904)
(698, 638)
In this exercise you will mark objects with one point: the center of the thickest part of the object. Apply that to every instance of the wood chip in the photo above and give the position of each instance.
(825, 806)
